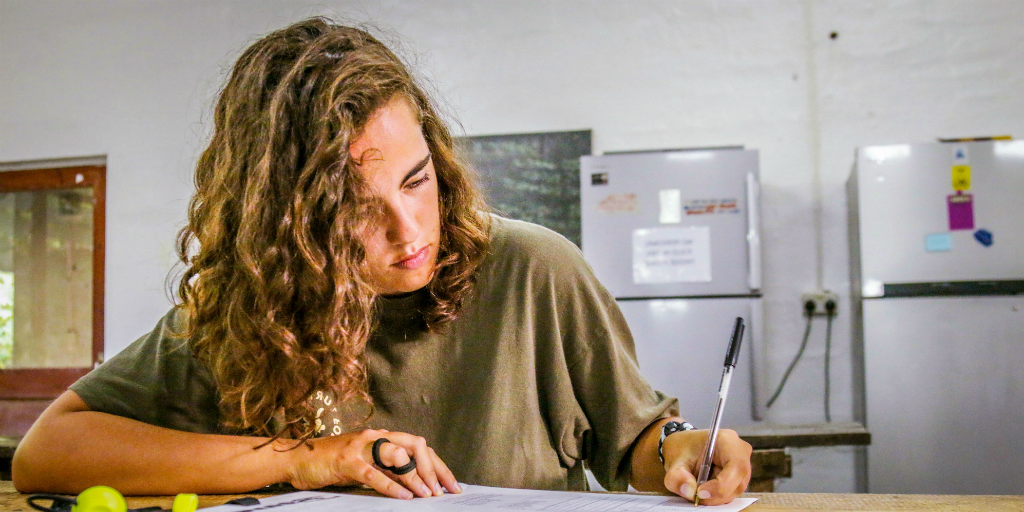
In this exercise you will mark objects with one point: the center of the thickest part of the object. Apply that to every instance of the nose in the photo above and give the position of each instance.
(402, 227)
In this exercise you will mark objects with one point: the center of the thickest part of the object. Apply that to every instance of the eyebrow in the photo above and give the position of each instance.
(419, 167)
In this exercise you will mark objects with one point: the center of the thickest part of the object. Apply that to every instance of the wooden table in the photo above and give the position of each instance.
(13, 501)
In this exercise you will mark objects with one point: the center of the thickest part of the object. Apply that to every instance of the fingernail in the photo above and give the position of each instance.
(437, 489)
(703, 494)
(405, 494)
(686, 491)
(458, 488)
(425, 491)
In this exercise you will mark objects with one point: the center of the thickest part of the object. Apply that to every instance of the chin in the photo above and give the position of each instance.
(404, 286)
(392, 281)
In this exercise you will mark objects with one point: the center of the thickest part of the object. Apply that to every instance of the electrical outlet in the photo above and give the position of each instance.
(820, 298)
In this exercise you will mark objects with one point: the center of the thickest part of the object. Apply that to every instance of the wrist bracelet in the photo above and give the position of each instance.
(671, 428)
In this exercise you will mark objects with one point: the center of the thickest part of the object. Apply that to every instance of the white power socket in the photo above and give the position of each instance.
(820, 298)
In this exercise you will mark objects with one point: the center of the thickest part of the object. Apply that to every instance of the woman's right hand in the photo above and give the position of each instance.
(347, 459)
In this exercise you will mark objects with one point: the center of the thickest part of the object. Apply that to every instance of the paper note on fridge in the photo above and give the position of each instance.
(672, 255)
(476, 498)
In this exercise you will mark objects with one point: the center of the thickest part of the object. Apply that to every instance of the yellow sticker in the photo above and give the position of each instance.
(961, 177)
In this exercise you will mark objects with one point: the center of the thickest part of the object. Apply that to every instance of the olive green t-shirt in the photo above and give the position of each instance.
(537, 374)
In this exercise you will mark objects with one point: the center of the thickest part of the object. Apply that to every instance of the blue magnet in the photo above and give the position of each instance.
(938, 242)
(984, 237)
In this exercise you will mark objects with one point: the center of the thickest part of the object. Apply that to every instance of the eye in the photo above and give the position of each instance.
(417, 183)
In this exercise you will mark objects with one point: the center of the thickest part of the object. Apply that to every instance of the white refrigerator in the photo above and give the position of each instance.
(674, 236)
(937, 267)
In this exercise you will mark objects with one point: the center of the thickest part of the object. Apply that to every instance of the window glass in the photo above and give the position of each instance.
(46, 272)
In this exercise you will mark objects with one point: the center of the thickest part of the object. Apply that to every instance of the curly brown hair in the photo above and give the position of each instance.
(273, 288)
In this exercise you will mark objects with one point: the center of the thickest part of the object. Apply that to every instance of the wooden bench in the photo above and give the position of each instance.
(771, 459)
(7, 446)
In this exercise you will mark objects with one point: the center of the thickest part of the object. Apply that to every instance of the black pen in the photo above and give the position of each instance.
(723, 391)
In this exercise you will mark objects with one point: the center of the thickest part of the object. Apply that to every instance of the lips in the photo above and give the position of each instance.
(415, 260)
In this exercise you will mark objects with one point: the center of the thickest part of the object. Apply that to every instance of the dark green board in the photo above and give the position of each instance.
(533, 176)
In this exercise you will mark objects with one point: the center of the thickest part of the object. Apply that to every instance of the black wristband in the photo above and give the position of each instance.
(671, 428)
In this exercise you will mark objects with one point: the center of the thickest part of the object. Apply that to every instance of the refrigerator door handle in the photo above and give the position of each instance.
(753, 233)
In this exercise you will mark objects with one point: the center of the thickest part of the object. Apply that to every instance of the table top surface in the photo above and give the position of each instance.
(12, 500)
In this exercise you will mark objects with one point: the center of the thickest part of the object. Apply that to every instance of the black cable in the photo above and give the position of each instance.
(830, 310)
(809, 310)
(58, 503)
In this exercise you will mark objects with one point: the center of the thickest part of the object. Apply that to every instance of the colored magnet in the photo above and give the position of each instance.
(961, 177)
(961, 211)
(960, 156)
(938, 242)
(984, 237)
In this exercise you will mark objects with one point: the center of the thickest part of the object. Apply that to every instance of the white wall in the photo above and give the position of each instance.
(134, 81)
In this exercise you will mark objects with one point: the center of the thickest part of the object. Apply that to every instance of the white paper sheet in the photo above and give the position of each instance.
(670, 210)
(475, 498)
(672, 255)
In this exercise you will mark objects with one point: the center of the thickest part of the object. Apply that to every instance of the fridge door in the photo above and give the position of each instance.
(914, 229)
(945, 395)
(681, 346)
(672, 224)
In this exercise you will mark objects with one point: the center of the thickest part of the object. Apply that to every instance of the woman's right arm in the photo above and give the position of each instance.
(70, 448)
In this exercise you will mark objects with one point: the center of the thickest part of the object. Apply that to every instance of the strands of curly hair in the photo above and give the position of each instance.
(273, 287)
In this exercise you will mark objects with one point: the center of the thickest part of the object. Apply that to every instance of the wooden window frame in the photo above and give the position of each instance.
(48, 383)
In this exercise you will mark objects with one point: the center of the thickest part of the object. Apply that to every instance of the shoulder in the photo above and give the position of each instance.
(519, 244)
(525, 259)
(155, 380)
(162, 347)
(166, 339)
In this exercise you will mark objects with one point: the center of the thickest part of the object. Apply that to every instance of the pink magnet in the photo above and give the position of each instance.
(961, 211)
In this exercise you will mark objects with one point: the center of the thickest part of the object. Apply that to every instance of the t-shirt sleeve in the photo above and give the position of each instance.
(599, 357)
(617, 400)
(155, 380)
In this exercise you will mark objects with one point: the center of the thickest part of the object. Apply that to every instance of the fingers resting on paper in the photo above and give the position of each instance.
(431, 472)
(348, 459)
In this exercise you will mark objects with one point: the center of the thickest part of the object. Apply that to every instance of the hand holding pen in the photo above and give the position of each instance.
(731, 357)
(691, 456)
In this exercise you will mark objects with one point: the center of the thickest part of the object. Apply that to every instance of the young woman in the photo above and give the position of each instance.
(351, 314)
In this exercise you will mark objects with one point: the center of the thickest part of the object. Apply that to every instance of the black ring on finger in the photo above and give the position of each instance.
(401, 470)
